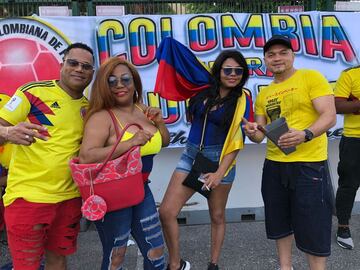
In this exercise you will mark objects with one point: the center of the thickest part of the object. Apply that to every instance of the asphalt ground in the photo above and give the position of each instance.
(245, 247)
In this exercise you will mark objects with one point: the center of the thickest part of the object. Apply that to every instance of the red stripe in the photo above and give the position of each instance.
(38, 103)
(174, 86)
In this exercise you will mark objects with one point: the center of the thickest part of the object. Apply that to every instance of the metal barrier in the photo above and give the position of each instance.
(13, 8)
(200, 6)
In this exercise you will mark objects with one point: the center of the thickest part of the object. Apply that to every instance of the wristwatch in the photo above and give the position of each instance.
(308, 135)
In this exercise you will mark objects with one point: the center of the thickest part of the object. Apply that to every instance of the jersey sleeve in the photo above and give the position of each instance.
(343, 85)
(259, 106)
(318, 85)
(16, 109)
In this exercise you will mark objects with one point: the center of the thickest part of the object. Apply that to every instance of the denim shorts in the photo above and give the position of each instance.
(305, 210)
(212, 152)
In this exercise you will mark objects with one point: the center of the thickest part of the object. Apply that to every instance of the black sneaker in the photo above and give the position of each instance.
(184, 265)
(343, 238)
(213, 266)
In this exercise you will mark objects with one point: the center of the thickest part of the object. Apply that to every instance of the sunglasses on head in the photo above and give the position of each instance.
(125, 80)
(75, 63)
(229, 70)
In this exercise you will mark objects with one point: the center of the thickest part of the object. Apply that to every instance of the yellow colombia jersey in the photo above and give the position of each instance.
(5, 150)
(348, 86)
(40, 172)
(292, 99)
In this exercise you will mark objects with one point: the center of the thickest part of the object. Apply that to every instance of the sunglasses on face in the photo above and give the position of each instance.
(75, 63)
(229, 70)
(125, 80)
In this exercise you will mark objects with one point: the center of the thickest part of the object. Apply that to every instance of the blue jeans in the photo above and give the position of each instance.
(142, 221)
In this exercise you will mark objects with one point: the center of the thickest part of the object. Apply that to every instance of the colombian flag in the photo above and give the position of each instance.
(180, 74)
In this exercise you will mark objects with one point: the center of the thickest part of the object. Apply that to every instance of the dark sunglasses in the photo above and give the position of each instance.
(125, 80)
(75, 63)
(229, 70)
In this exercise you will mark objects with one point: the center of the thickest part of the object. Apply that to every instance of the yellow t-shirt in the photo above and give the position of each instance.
(348, 86)
(40, 172)
(292, 99)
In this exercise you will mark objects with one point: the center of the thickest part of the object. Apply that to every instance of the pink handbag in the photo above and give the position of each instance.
(111, 185)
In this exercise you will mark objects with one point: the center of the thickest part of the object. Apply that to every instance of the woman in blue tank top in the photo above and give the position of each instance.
(230, 73)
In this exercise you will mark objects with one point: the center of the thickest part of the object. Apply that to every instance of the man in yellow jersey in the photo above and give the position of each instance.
(295, 188)
(347, 95)
(42, 203)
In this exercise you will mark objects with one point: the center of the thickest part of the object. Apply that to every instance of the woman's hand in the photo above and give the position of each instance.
(141, 137)
(154, 114)
(212, 180)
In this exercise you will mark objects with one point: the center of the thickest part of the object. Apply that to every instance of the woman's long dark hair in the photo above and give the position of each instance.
(212, 94)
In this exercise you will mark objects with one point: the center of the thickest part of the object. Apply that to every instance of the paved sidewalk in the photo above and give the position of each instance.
(245, 248)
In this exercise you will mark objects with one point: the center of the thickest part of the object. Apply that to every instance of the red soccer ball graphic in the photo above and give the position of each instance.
(23, 60)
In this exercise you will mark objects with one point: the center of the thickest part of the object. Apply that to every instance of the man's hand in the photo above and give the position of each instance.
(250, 128)
(292, 138)
(24, 133)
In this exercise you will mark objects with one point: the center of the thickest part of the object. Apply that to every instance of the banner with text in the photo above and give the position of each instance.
(31, 48)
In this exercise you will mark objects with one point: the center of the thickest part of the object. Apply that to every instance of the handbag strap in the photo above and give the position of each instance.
(116, 126)
(118, 140)
(201, 146)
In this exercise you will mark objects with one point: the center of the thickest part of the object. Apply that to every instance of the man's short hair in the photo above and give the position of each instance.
(78, 45)
(278, 40)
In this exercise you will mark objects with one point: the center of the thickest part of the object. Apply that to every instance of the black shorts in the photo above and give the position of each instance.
(304, 210)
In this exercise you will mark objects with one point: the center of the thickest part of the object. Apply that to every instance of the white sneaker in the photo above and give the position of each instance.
(184, 265)
(343, 238)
